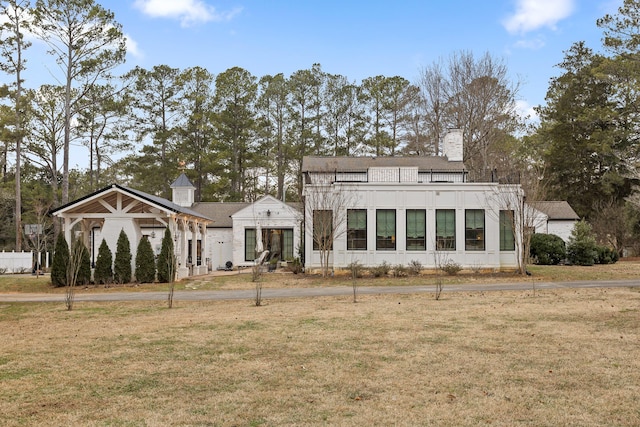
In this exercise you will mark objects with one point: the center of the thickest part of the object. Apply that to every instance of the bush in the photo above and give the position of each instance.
(60, 262)
(84, 269)
(295, 266)
(356, 269)
(145, 262)
(122, 264)
(451, 267)
(415, 267)
(606, 255)
(400, 270)
(582, 248)
(380, 270)
(547, 249)
(103, 273)
(166, 259)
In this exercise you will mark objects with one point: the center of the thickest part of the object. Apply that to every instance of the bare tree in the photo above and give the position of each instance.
(474, 95)
(326, 210)
(73, 269)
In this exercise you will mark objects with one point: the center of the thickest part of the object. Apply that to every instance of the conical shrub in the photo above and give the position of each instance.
(103, 273)
(166, 259)
(60, 262)
(122, 264)
(145, 262)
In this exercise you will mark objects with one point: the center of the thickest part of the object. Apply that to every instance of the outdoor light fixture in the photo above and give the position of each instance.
(268, 212)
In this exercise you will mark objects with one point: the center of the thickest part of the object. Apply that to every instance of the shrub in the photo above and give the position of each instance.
(295, 266)
(166, 259)
(84, 269)
(103, 273)
(582, 248)
(122, 264)
(400, 270)
(356, 269)
(145, 262)
(415, 267)
(381, 270)
(547, 249)
(606, 255)
(60, 262)
(451, 267)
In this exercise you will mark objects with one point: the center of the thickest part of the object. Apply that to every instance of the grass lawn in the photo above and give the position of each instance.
(566, 357)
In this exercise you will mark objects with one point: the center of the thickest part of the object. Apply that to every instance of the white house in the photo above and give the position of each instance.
(400, 209)
(553, 217)
(106, 212)
(240, 229)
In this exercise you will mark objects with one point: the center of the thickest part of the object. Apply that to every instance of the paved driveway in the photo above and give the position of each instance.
(196, 295)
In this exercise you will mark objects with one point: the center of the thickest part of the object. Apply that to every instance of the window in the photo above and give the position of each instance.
(322, 230)
(416, 236)
(446, 229)
(356, 229)
(507, 236)
(249, 244)
(386, 229)
(474, 230)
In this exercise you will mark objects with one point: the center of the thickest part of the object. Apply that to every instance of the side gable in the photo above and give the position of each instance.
(269, 207)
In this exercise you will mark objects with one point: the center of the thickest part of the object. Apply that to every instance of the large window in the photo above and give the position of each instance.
(386, 229)
(357, 229)
(507, 236)
(249, 244)
(474, 230)
(278, 241)
(416, 235)
(322, 230)
(446, 229)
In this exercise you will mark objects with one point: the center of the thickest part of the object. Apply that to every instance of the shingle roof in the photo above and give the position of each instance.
(159, 201)
(354, 164)
(182, 181)
(220, 212)
(556, 209)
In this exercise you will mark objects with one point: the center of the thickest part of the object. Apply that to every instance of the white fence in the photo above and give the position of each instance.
(16, 262)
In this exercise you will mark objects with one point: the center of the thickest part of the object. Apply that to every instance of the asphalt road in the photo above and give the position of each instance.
(196, 295)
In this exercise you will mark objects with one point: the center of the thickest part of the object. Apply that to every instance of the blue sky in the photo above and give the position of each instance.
(354, 38)
(359, 39)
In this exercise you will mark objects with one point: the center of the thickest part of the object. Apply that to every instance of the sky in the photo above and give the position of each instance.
(354, 38)
(360, 39)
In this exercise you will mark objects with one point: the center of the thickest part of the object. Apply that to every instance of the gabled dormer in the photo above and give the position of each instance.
(183, 191)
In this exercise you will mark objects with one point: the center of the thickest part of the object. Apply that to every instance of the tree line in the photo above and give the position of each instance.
(239, 136)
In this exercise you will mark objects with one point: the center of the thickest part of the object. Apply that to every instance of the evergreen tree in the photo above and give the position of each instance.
(84, 271)
(145, 262)
(60, 262)
(122, 264)
(103, 273)
(582, 248)
(166, 260)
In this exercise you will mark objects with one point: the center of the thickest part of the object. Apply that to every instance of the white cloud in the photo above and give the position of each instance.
(189, 12)
(532, 44)
(526, 111)
(533, 14)
(132, 46)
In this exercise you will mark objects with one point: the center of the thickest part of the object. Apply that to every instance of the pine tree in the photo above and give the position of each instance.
(166, 259)
(84, 271)
(145, 262)
(60, 262)
(104, 270)
(122, 264)
(582, 247)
